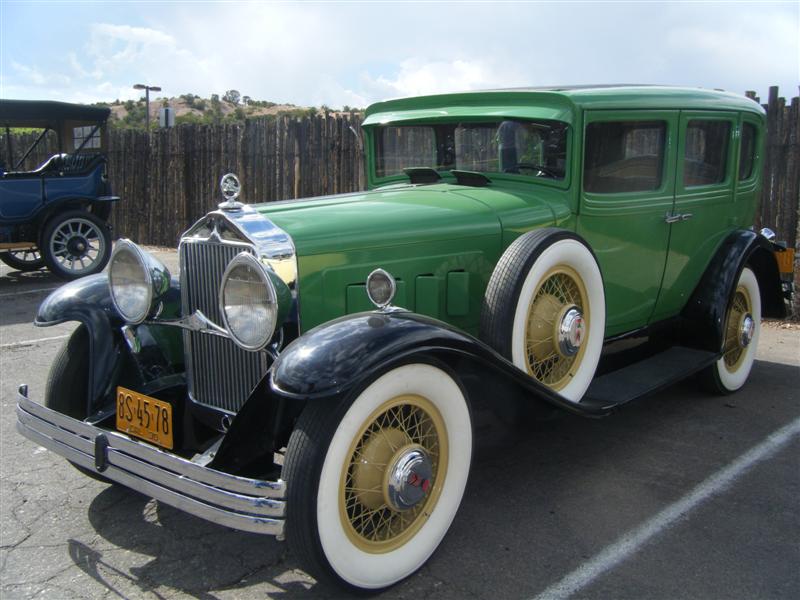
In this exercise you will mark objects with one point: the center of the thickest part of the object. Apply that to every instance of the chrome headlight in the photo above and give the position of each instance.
(136, 280)
(248, 302)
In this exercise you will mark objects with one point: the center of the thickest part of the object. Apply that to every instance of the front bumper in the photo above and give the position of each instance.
(236, 502)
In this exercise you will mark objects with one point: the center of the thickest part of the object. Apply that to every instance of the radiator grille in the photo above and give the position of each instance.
(219, 373)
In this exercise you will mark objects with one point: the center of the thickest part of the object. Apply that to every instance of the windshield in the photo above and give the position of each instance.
(533, 148)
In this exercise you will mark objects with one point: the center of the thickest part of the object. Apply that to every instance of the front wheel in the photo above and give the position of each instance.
(67, 387)
(75, 244)
(23, 260)
(374, 484)
(742, 329)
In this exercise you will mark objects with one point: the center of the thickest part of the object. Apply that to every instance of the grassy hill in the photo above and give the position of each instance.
(190, 108)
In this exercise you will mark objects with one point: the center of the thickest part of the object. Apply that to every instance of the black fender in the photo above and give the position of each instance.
(340, 356)
(100, 206)
(704, 313)
(88, 301)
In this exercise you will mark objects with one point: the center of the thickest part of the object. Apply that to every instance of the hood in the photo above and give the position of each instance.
(394, 216)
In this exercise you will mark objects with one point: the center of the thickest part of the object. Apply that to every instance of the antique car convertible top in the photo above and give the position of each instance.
(314, 371)
(56, 215)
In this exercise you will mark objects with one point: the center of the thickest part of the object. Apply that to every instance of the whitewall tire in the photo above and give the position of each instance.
(544, 310)
(371, 499)
(742, 331)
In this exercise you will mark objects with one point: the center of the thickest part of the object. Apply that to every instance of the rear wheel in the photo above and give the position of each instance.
(742, 330)
(67, 387)
(76, 243)
(374, 484)
(23, 260)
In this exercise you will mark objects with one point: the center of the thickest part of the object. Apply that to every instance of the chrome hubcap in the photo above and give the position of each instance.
(409, 478)
(746, 330)
(571, 331)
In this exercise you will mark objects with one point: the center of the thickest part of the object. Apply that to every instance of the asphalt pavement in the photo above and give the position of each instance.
(681, 495)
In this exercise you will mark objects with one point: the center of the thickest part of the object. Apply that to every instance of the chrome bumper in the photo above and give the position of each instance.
(236, 502)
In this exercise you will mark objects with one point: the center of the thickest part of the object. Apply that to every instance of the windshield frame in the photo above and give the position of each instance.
(371, 148)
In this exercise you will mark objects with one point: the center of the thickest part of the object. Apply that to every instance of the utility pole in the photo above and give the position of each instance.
(147, 88)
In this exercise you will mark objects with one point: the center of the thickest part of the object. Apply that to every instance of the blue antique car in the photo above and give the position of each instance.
(56, 214)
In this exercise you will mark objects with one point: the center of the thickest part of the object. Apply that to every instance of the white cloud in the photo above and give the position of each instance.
(336, 54)
(418, 76)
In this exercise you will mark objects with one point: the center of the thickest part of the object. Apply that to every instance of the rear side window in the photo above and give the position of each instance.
(624, 156)
(747, 154)
(706, 152)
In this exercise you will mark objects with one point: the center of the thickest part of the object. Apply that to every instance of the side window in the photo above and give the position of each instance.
(624, 156)
(747, 152)
(79, 134)
(706, 152)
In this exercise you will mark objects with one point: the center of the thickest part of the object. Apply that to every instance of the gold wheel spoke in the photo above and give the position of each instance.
(407, 421)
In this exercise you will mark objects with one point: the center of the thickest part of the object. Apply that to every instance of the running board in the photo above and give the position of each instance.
(646, 377)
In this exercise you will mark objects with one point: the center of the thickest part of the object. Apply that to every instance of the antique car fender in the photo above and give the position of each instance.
(704, 313)
(88, 301)
(342, 355)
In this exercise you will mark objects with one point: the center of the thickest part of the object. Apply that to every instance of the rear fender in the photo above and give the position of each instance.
(704, 314)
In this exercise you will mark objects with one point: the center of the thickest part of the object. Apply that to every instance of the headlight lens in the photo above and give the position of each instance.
(130, 282)
(248, 302)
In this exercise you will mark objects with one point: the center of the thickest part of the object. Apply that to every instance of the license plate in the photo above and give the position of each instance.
(144, 417)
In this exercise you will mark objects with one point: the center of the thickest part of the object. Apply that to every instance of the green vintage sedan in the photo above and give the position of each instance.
(315, 371)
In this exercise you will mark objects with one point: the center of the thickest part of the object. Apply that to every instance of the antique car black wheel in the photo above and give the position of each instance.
(742, 329)
(68, 384)
(544, 310)
(23, 260)
(374, 484)
(75, 244)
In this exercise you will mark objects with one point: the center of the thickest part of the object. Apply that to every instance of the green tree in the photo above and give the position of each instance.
(232, 96)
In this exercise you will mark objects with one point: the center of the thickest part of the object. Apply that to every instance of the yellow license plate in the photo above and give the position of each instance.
(144, 417)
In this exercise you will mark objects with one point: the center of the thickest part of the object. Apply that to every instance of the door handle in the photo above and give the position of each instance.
(672, 218)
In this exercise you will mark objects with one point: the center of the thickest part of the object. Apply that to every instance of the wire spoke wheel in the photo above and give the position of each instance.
(544, 310)
(740, 337)
(560, 291)
(733, 351)
(373, 486)
(394, 473)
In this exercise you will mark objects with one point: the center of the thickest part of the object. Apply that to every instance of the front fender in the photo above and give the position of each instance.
(87, 301)
(341, 355)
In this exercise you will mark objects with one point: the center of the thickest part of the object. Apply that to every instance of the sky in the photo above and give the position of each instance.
(356, 52)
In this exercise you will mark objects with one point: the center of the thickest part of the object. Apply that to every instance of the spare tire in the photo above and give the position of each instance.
(544, 310)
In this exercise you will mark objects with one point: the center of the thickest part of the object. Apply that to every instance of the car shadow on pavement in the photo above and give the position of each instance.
(569, 486)
(188, 554)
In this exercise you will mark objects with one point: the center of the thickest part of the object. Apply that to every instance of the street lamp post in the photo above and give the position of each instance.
(147, 88)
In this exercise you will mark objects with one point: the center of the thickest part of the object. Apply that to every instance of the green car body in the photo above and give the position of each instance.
(441, 241)
(566, 249)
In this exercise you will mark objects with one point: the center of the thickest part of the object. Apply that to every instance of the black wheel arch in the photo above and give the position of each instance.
(331, 360)
(704, 314)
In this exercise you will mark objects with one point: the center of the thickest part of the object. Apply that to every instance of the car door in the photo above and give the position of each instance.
(20, 196)
(703, 213)
(627, 188)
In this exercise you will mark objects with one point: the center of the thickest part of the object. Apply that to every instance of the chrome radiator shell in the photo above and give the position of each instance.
(219, 373)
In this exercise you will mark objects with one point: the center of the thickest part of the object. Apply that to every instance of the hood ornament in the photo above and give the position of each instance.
(231, 188)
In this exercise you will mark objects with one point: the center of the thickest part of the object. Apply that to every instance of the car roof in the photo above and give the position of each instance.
(48, 113)
(556, 102)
